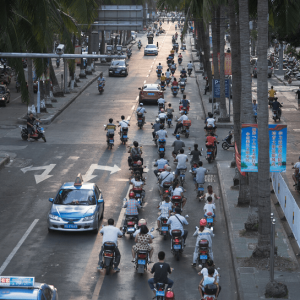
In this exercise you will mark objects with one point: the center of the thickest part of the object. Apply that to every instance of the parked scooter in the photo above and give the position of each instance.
(227, 142)
(38, 132)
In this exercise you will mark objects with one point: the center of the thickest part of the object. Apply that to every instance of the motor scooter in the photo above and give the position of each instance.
(39, 132)
(174, 90)
(100, 87)
(227, 143)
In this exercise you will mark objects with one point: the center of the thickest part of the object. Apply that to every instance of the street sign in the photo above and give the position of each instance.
(277, 148)
(217, 90)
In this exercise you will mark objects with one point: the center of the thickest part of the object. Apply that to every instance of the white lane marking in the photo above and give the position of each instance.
(148, 75)
(44, 175)
(149, 71)
(144, 81)
(15, 99)
(12, 254)
(89, 174)
(102, 276)
(129, 117)
(132, 108)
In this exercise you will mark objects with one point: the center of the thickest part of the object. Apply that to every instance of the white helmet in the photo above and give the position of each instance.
(141, 104)
(157, 120)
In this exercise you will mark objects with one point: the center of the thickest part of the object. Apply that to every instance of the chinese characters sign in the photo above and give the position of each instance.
(227, 64)
(277, 148)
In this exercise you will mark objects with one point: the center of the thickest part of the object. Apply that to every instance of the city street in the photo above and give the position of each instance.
(75, 141)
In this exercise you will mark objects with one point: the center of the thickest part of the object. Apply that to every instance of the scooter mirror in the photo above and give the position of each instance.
(201, 149)
(104, 125)
(152, 229)
(139, 88)
(125, 199)
(186, 216)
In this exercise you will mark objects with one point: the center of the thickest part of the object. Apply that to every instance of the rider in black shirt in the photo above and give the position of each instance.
(30, 122)
(160, 270)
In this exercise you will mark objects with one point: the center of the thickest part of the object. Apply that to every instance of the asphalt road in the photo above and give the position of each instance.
(75, 141)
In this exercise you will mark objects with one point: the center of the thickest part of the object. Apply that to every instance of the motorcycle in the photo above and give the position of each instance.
(129, 53)
(158, 71)
(271, 101)
(168, 81)
(124, 135)
(177, 202)
(18, 86)
(161, 148)
(140, 120)
(108, 256)
(162, 85)
(173, 71)
(210, 156)
(130, 227)
(203, 253)
(200, 191)
(174, 90)
(100, 88)
(227, 141)
(186, 128)
(210, 221)
(139, 196)
(161, 106)
(179, 60)
(190, 72)
(276, 115)
(164, 228)
(139, 46)
(210, 292)
(169, 119)
(177, 243)
(162, 293)
(38, 132)
(110, 141)
(182, 86)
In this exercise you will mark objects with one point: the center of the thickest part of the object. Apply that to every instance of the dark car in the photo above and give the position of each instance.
(118, 67)
(4, 95)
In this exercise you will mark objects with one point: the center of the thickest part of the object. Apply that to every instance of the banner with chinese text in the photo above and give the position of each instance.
(277, 148)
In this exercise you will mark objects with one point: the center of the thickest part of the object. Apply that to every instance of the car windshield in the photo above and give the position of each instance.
(118, 63)
(151, 87)
(2, 90)
(150, 46)
(75, 197)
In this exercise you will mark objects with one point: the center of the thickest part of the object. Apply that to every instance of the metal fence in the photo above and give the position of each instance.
(288, 204)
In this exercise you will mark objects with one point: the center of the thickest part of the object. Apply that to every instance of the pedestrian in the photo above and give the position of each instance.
(298, 94)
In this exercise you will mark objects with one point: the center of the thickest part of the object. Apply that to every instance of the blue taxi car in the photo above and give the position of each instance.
(78, 206)
(25, 288)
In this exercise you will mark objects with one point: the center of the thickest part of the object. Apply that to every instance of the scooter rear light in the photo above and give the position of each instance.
(209, 214)
(130, 223)
(108, 254)
(142, 255)
(164, 221)
(176, 241)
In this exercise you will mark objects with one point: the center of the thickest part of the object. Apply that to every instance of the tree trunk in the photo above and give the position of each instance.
(56, 88)
(280, 67)
(30, 82)
(215, 46)
(223, 109)
(89, 60)
(264, 204)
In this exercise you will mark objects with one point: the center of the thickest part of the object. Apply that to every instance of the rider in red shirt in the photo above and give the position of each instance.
(211, 142)
(175, 82)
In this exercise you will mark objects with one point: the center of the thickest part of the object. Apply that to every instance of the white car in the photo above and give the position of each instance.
(150, 50)
(133, 35)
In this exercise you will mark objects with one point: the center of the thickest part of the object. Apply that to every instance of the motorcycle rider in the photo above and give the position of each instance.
(132, 207)
(204, 272)
(140, 223)
(177, 222)
(276, 107)
(173, 66)
(101, 79)
(196, 155)
(203, 233)
(143, 241)
(170, 110)
(207, 280)
(184, 103)
(178, 190)
(210, 193)
(179, 55)
(210, 122)
(272, 93)
(160, 270)
(161, 134)
(123, 124)
(165, 176)
(161, 101)
(254, 106)
(183, 73)
(211, 141)
(163, 79)
(162, 115)
(177, 144)
(160, 164)
(168, 75)
(179, 124)
(181, 158)
(200, 173)
(159, 67)
(135, 153)
(165, 211)
(190, 66)
(139, 44)
(141, 110)
(110, 234)
(209, 208)
(30, 121)
(156, 127)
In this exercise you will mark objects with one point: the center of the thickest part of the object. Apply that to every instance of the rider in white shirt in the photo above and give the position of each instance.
(168, 73)
(141, 110)
(101, 79)
(162, 114)
(179, 121)
(190, 66)
(159, 67)
(161, 134)
(123, 123)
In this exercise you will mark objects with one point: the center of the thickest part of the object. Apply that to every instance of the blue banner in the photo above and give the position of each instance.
(277, 148)
(217, 90)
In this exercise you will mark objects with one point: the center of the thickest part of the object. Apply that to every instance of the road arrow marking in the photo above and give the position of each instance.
(89, 174)
(44, 175)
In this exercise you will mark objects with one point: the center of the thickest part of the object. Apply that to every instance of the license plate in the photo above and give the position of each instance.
(130, 229)
(210, 220)
(169, 120)
(164, 229)
(187, 130)
(117, 71)
(42, 128)
(177, 247)
(161, 149)
(160, 293)
(141, 261)
(138, 195)
(150, 94)
(182, 175)
(111, 141)
(124, 136)
(140, 121)
(203, 256)
(70, 226)
(208, 152)
(200, 189)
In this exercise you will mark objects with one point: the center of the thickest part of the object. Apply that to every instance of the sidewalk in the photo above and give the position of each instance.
(252, 276)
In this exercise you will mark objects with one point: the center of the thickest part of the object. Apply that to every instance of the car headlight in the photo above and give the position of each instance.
(110, 71)
(53, 217)
(89, 218)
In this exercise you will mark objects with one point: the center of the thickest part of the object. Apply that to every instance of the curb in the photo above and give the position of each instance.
(279, 79)
(4, 160)
(233, 253)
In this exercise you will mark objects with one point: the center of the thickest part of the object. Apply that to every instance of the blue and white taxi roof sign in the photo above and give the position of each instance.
(14, 281)
(78, 180)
